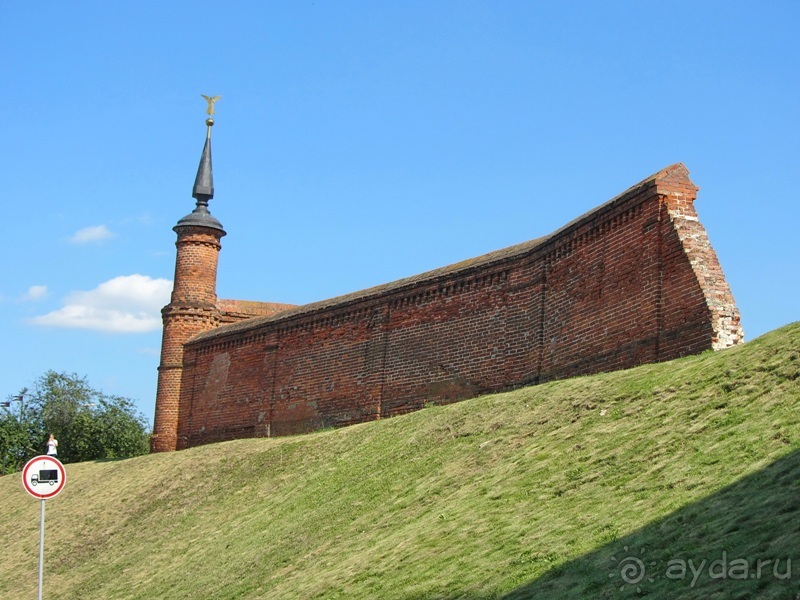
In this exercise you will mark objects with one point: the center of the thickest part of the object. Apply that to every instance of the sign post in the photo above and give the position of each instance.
(43, 478)
(41, 550)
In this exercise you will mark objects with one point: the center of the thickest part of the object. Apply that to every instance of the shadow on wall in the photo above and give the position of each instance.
(740, 543)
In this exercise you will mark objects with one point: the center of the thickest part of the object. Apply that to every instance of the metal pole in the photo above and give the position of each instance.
(41, 551)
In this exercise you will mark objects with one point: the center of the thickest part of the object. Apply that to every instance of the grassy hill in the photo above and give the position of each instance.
(554, 491)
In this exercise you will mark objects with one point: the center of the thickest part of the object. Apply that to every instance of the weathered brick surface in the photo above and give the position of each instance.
(231, 311)
(192, 309)
(633, 281)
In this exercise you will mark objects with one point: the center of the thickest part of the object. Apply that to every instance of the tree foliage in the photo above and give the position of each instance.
(88, 424)
(20, 436)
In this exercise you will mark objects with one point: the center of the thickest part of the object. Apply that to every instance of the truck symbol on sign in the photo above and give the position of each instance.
(45, 476)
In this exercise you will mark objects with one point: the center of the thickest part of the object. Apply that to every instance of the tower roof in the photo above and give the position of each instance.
(204, 182)
(203, 190)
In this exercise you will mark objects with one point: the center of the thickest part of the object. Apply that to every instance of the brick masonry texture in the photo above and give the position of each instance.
(192, 309)
(631, 282)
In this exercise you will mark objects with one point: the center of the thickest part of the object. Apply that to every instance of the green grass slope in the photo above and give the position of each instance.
(561, 490)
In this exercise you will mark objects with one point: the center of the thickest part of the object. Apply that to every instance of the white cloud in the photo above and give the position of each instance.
(125, 304)
(87, 235)
(35, 292)
(149, 351)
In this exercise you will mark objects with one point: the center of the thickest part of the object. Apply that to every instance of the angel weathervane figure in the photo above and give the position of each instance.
(211, 101)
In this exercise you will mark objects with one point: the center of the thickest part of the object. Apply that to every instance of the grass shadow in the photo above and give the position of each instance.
(740, 543)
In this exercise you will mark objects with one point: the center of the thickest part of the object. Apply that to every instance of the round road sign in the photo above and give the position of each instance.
(43, 477)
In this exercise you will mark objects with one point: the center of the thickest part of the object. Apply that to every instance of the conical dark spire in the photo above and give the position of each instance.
(204, 182)
(203, 190)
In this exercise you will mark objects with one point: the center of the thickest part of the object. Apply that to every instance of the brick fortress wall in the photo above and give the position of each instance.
(631, 282)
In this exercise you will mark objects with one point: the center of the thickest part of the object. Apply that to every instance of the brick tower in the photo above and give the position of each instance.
(193, 305)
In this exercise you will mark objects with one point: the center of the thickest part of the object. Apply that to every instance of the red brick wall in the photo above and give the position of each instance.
(633, 281)
(231, 311)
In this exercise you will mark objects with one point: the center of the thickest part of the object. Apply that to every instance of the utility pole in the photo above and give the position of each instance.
(18, 398)
(21, 399)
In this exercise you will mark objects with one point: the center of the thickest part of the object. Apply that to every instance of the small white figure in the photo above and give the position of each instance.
(52, 446)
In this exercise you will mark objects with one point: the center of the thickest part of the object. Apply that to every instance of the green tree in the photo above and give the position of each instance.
(21, 433)
(88, 424)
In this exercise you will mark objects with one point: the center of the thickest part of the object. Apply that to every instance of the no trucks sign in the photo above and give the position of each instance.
(43, 477)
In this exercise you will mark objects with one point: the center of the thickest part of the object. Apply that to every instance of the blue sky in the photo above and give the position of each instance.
(358, 142)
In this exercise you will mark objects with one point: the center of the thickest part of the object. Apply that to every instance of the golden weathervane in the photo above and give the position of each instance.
(211, 101)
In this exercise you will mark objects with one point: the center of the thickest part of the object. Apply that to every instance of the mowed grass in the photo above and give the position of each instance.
(544, 492)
